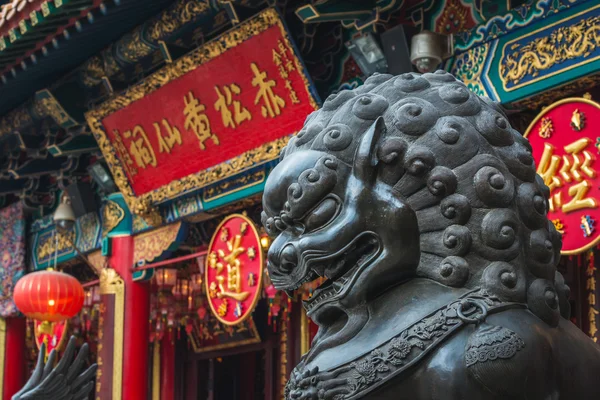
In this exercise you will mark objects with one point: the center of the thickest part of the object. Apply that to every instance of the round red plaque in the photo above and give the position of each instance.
(233, 269)
(565, 141)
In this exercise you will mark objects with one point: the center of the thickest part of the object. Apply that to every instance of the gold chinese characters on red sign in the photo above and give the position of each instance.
(565, 141)
(233, 269)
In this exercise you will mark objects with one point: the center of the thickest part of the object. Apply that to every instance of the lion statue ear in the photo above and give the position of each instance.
(365, 159)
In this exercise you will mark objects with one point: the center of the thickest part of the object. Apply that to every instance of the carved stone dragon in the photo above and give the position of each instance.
(422, 207)
(68, 380)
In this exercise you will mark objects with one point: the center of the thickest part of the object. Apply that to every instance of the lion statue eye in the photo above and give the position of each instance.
(321, 215)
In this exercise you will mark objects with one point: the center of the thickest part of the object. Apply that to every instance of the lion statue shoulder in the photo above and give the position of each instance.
(421, 207)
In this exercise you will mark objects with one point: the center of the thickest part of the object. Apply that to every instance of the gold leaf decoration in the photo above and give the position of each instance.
(112, 215)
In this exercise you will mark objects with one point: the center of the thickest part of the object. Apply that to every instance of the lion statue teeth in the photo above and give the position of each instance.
(420, 204)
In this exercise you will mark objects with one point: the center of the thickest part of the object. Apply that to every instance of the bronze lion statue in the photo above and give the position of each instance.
(421, 206)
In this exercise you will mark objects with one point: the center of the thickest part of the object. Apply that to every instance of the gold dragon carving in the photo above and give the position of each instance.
(52, 244)
(563, 44)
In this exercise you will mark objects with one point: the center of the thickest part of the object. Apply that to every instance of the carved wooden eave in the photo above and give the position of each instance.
(30, 63)
(26, 23)
(43, 106)
(143, 41)
(33, 166)
(14, 186)
(62, 101)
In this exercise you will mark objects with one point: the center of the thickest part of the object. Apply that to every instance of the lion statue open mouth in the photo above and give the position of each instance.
(421, 206)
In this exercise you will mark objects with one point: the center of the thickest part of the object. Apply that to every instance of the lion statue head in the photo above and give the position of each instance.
(409, 176)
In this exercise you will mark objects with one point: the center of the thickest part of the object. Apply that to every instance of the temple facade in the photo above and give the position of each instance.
(136, 138)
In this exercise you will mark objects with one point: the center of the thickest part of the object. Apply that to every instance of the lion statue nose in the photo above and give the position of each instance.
(284, 261)
(289, 259)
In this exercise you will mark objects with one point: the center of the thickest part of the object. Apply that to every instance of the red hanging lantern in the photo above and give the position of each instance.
(49, 296)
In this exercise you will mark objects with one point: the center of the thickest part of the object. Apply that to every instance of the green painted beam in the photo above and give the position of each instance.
(76, 145)
(336, 10)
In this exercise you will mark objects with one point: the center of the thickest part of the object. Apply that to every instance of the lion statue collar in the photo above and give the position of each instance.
(412, 341)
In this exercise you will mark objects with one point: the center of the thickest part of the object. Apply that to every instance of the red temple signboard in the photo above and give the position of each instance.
(233, 271)
(566, 142)
(218, 110)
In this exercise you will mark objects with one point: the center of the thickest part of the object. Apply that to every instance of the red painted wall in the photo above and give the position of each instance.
(14, 361)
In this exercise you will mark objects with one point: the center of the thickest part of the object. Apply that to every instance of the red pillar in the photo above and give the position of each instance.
(167, 367)
(136, 330)
(14, 357)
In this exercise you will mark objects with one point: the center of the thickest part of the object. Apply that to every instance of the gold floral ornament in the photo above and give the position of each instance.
(251, 254)
(110, 281)
(224, 234)
(222, 311)
(546, 128)
(150, 214)
(174, 18)
(49, 106)
(558, 225)
(212, 290)
(112, 215)
(577, 120)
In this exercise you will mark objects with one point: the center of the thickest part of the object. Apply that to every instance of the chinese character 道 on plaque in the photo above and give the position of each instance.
(233, 270)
